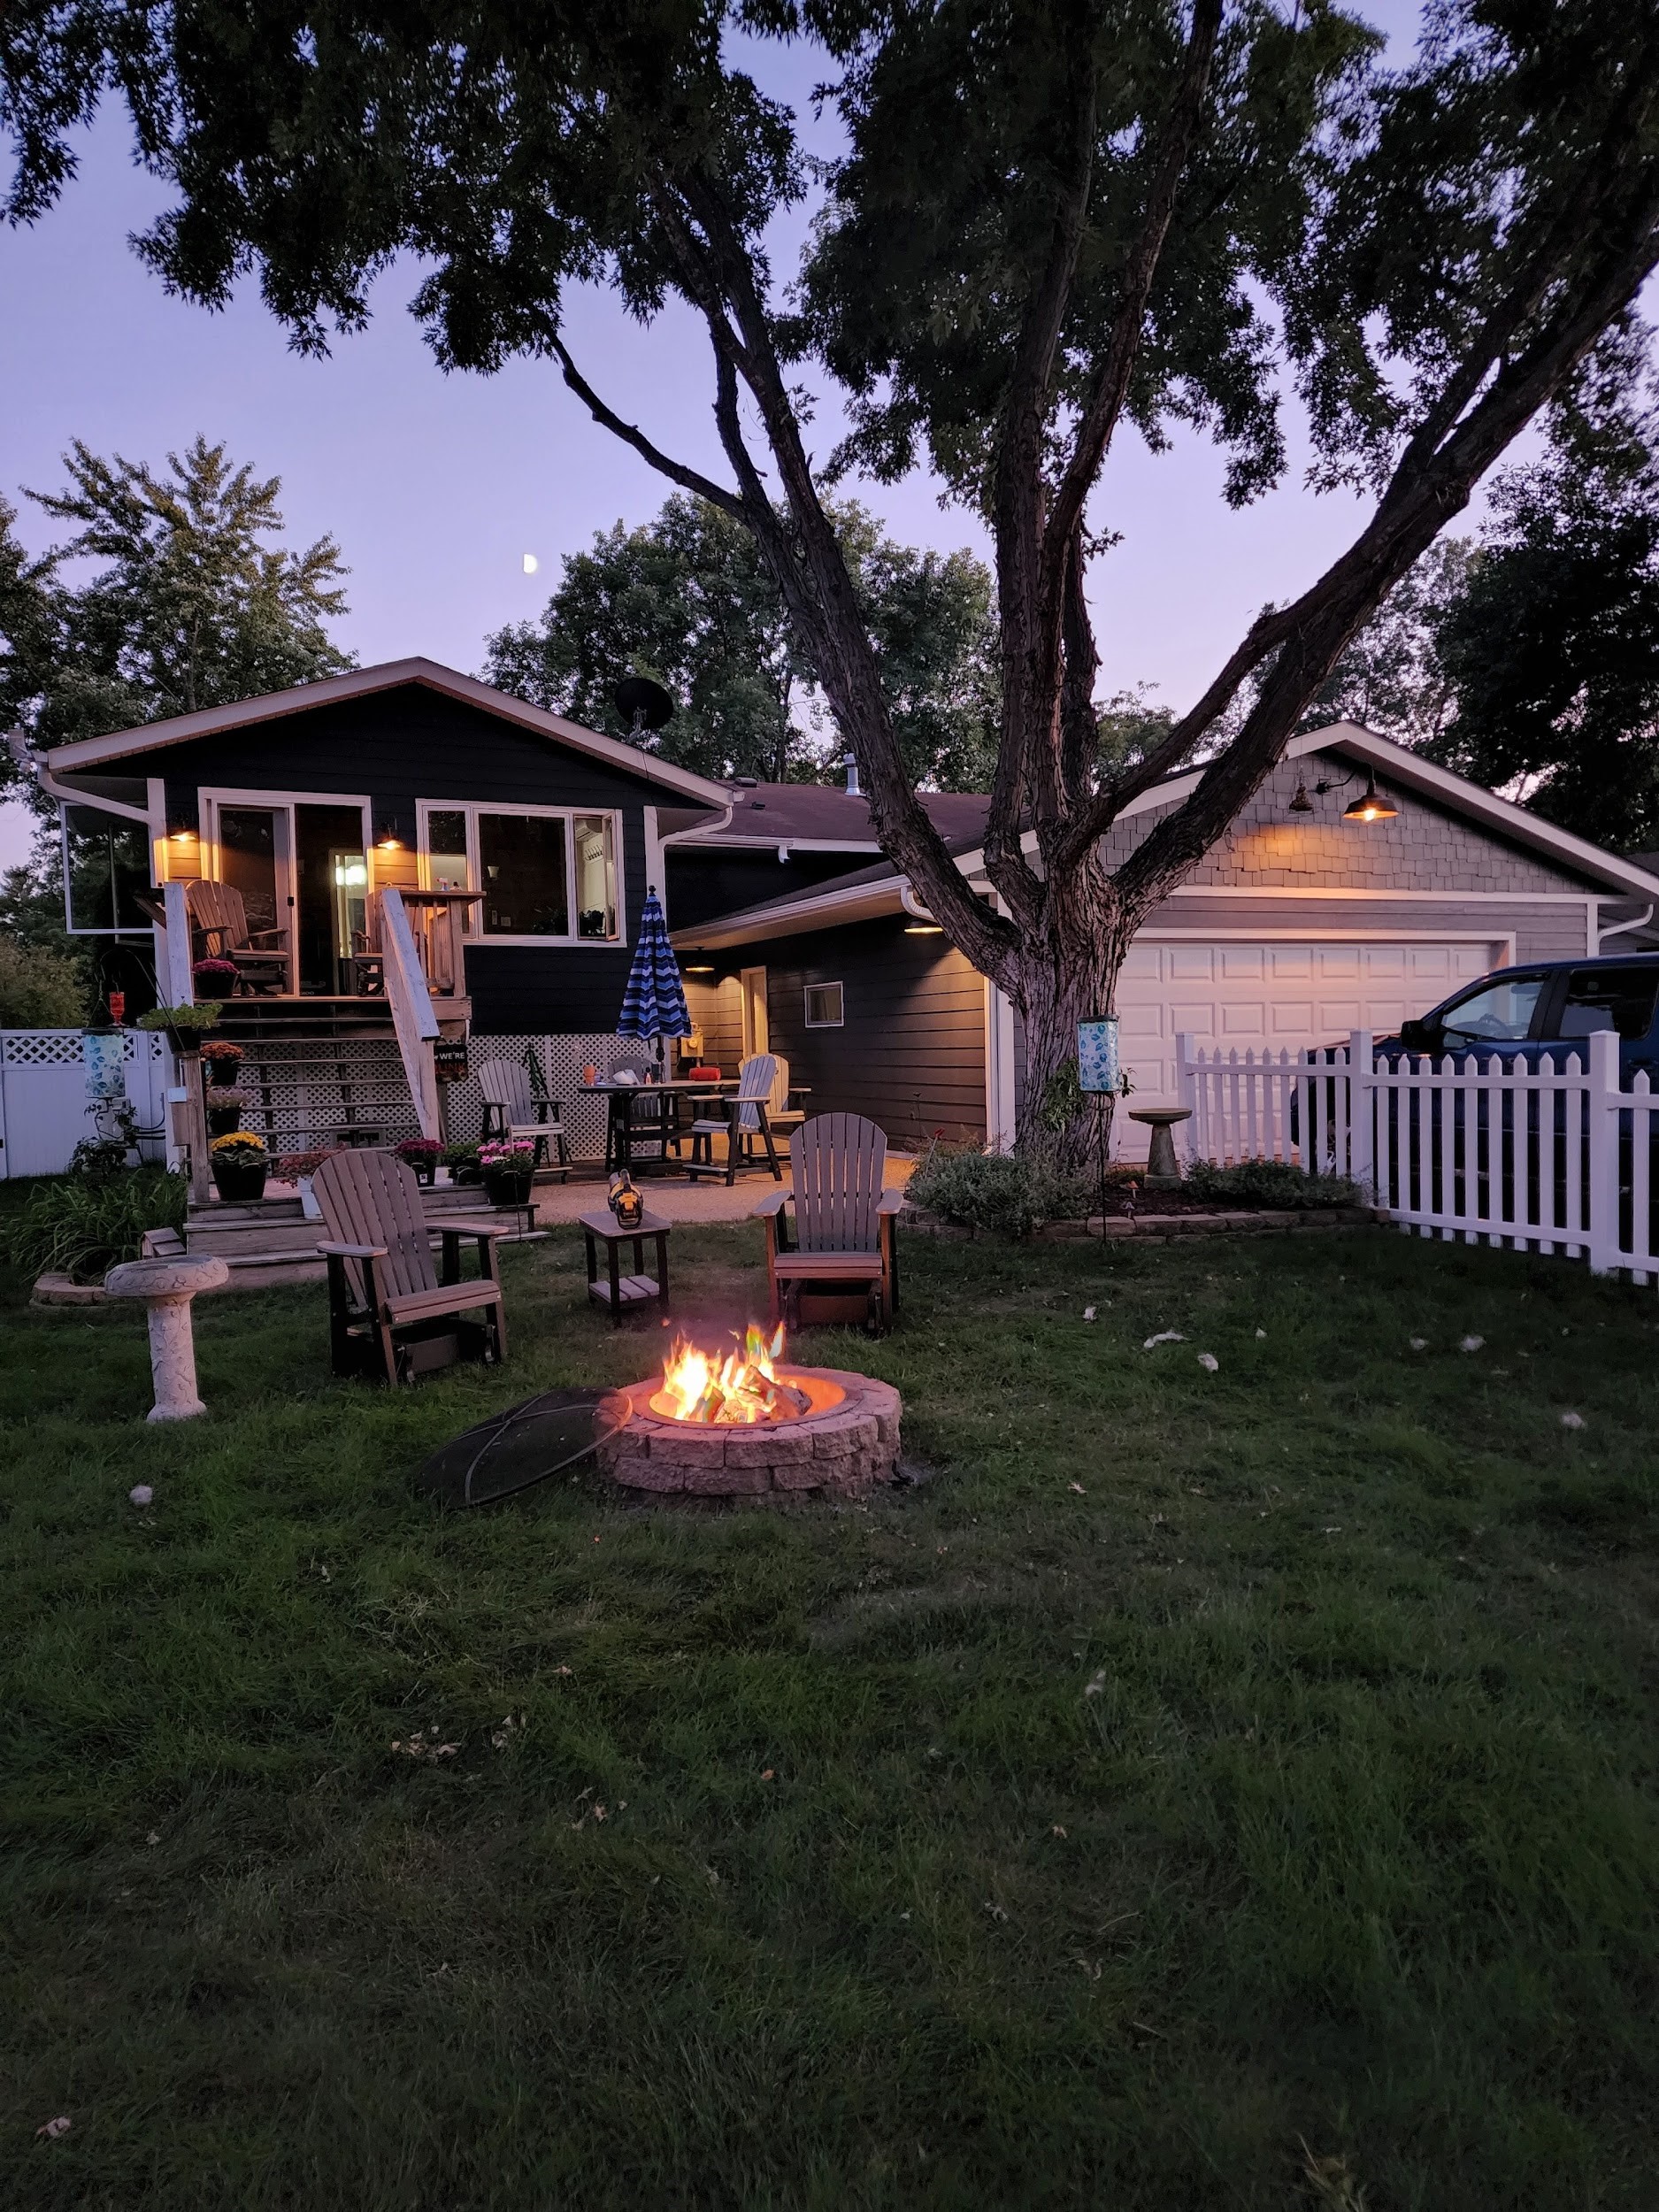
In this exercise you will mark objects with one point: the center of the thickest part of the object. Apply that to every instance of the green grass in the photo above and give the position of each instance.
(1193, 1770)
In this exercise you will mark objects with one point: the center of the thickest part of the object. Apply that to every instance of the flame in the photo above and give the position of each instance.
(743, 1388)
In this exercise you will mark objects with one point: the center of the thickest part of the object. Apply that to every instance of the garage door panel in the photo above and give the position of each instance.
(1269, 994)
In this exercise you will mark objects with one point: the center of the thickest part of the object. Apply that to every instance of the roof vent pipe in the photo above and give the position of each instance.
(849, 761)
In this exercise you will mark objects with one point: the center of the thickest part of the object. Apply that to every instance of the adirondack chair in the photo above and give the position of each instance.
(744, 1120)
(218, 930)
(393, 1314)
(843, 1264)
(515, 1106)
(782, 1118)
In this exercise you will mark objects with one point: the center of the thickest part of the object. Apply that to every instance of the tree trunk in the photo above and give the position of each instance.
(1065, 974)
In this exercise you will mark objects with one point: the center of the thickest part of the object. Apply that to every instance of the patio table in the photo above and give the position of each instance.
(621, 1129)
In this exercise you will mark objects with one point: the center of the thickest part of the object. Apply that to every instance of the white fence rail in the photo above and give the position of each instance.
(1538, 1156)
(44, 1110)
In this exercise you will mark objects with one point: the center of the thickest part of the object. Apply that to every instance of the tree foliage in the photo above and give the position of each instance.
(192, 606)
(1047, 220)
(687, 600)
(1392, 677)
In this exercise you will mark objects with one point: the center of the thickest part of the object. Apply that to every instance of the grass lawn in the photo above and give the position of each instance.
(1197, 1777)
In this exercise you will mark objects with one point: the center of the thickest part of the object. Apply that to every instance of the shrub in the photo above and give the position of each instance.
(1009, 1192)
(81, 1226)
(40, 988)
(1268, 1183)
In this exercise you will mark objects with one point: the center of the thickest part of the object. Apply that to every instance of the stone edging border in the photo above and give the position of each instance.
(1164, 1228)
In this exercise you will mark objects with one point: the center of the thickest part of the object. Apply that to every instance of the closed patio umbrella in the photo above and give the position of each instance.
(654, 1004)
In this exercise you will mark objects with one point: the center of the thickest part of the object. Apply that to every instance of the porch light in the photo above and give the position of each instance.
(183, 837)
(697, 967)
(924, 929)
(1371, 805)
(389, 842)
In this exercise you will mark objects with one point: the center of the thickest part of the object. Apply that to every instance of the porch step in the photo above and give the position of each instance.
(273, 1232)
(264, 1018)
(307, 1091)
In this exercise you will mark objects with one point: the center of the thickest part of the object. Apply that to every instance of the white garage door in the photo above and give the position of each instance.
(1268, 996)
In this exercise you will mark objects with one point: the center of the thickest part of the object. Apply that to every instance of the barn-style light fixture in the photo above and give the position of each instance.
(1371, 805)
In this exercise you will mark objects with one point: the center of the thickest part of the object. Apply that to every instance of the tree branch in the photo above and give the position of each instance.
(677, 472)
(1111, 385)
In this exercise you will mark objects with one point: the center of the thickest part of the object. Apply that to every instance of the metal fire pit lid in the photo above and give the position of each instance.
(513, 1451)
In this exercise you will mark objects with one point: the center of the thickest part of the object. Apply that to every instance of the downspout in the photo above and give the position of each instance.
(1619, 929)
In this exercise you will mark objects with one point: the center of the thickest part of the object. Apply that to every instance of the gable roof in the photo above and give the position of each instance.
(358, 683)
(866, 892)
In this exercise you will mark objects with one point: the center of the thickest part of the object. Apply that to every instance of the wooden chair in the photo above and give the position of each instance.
(516, 1106)
(743, 1119)
(843, 1264)
(218, 930)
(391, 1313)
(641, 1122)
(782, 1118)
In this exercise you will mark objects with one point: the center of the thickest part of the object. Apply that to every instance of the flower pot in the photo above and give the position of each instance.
(223, 1121)
(509, 1186)
(221, 1073)
(239, 1184)
(426, 1172)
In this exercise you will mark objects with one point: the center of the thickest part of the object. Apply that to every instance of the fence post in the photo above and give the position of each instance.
(1601, 1105)
(1362, 1165)
(1187, 1083)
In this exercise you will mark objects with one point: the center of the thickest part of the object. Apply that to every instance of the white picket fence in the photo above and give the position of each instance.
(1541, 1157)
(44, 1111)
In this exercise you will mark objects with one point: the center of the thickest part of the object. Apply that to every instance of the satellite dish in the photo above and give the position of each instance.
(644, 705)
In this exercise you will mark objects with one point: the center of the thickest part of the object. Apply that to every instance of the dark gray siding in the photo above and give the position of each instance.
(705, 880)
(414, 743)
(911, 1052)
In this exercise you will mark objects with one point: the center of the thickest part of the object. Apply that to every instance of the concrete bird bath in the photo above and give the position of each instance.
(166, 1287)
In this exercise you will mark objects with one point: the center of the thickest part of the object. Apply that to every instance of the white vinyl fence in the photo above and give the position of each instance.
(1539, 1158)
(44, 1110)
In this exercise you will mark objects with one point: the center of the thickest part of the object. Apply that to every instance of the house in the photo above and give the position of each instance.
(1300, 925)
(794, 932)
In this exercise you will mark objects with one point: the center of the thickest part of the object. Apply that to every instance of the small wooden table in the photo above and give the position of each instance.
(618, 1290)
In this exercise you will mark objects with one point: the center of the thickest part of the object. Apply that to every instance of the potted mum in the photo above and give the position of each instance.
(214, 976)
(508, 1170)
(423, 1154)
(224, 1108)
(239, 1164)
(222, 1062)
(185, 1025)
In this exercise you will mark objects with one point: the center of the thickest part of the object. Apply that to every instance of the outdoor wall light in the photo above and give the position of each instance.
(924, 929)
(698, 967)
(1371, 805)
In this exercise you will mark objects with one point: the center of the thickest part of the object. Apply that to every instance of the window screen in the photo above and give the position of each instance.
(1610, 998)
(445, 850)
(824, 1006)
(106, 861)
(524, 884)
(596, 876)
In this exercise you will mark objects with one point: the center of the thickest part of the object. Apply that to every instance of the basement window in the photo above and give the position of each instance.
(824, 1006)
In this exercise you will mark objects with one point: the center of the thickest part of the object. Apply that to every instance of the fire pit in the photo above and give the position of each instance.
(749, 1423)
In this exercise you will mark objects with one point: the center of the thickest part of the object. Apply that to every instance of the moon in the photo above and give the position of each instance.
(531, 564)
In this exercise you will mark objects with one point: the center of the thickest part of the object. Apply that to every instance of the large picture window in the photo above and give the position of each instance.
(547, 874)
(106, 866)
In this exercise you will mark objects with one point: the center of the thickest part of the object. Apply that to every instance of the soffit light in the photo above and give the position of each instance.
(1372, 804)
(924, 929)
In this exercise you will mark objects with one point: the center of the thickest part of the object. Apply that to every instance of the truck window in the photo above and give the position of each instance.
(1497, 1013)
(1610, 998)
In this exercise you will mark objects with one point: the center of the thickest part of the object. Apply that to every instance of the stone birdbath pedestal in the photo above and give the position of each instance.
(1162, 1164)
(167, 1287)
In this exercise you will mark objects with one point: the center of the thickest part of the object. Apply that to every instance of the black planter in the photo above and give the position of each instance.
(426, 1172)
(240, 1185)
(210, 1068)
(509, 1186)
(223, 1121)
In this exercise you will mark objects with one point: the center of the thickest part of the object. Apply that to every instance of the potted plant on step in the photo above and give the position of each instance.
(224, 1108)
(508, 1170)
(240, 1164)
(185, 1025)
(222, 1062)
(423, 1154)
(215, 976)
(462, 1162)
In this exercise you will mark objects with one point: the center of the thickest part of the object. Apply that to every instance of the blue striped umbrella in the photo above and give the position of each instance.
(654, 1004)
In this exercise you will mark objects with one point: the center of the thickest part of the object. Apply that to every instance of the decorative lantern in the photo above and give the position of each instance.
(626, 1203)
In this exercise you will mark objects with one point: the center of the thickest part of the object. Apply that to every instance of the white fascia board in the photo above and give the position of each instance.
(858, 903)
(358, 683)
(713, 835)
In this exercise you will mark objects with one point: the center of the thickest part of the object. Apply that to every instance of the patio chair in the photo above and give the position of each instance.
(516, 1106)
(218, 930)
(742, 1120)
(843, 1264)
(642, 1119)
(392, 1314)
(782, 1118)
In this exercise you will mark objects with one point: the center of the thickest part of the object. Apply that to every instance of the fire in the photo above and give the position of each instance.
(743, 1388)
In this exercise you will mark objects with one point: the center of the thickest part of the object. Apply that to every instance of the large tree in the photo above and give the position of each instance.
(195, 603)
(687, 599)
(1044, 222)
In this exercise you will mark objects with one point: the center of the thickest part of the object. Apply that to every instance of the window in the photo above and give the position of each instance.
(106, 864)
(1498, 1013)
(824, 1006)
(544, 872)
(1610, 998)
(521, 859)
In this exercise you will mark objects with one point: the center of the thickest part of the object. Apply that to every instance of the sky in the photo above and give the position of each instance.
(435, 487)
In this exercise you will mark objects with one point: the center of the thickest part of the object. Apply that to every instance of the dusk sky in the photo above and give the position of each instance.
(435, 487)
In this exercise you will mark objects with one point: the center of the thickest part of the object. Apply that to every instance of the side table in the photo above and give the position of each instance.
(615, 1289)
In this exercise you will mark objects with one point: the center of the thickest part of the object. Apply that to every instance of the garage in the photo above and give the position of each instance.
(1271, 994)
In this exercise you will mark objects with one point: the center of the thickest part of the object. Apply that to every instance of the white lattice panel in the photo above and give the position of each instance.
(562, 1060)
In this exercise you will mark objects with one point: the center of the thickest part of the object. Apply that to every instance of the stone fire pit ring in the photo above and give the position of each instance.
(838, 1449)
